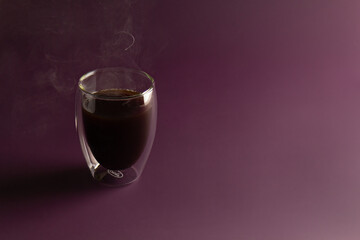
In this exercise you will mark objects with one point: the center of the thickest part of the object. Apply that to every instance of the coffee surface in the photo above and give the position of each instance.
(116, 127)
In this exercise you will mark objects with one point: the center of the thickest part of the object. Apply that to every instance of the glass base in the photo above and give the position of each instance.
(114, 177)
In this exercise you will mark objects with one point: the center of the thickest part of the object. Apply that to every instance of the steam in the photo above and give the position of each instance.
(131, 36)
(79, 40)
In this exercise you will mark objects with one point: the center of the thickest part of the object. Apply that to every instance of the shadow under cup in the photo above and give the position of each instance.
(115, 117)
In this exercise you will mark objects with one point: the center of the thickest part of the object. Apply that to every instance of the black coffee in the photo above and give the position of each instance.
(116, 130)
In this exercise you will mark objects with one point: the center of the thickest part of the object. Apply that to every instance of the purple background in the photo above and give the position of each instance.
(258, 128)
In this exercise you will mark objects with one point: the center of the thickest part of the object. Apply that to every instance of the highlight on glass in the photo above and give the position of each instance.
(115, 117)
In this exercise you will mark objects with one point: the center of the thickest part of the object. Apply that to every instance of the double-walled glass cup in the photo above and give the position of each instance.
(115, 116)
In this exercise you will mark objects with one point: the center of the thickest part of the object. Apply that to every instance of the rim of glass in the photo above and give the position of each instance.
(114, 69)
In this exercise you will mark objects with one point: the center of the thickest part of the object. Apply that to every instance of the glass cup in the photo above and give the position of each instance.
(115, 117)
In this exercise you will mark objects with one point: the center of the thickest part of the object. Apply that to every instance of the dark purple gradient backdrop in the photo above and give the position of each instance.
(258, 130)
